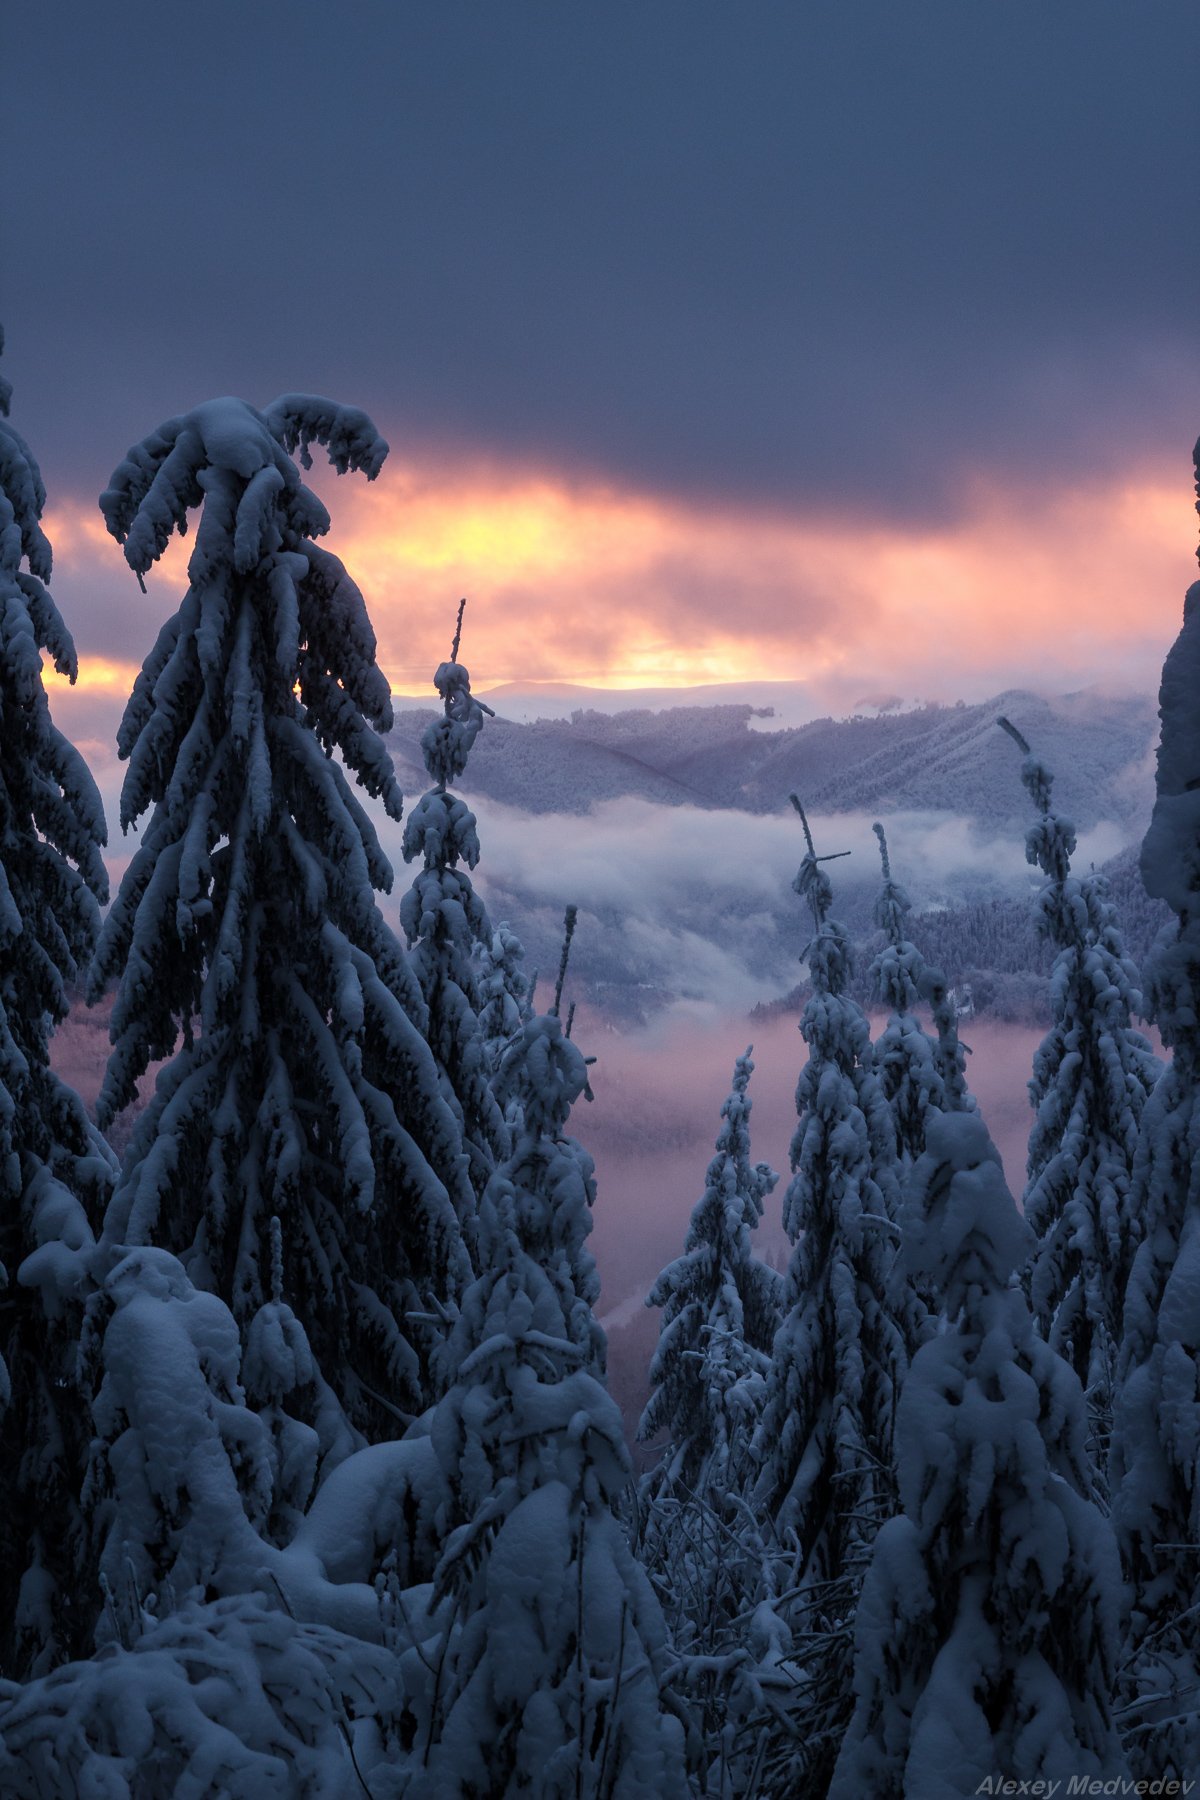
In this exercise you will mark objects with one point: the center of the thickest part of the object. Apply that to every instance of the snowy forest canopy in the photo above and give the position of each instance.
(312, 1482)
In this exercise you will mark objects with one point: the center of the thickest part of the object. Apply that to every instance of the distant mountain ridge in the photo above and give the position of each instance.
(702, 910)
(935, 758)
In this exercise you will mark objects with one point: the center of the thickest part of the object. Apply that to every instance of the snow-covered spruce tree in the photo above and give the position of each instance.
(505, 992)
(548, 1178)
(1155, 1467)
(720, 1312)
(247, 925)
(207, 1672)
(698, 1537)
(1091, 1076)
(851, 1323)
(848, 1328)
(950, 1053)
(547, 1673)
(55, 1172)
(986, 1634)
(444, 919)
(908, 1062)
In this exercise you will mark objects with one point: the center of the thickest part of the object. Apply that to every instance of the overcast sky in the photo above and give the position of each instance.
(797, 338)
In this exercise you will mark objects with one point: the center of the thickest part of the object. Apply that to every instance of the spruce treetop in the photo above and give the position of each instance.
(849, 1324)
(897, 970)
(916, 1071)
(1091, 1076)
(720, 1310)
(546, 1184)
(446, 923)
(961, 1231)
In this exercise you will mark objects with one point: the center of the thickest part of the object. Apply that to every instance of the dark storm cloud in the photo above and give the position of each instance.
(854, 256)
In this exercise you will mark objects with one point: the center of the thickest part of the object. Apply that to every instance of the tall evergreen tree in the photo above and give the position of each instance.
(848, 1328)
(1155, 1467)
(445, 920)
(246, 923)
(547, 1671)
(850, 1325)
(548, 1181)
(55, 1171)
(698, 1537)
(909, 1064)
(720, 1309)
(986, 1634)
(950, 1053)
(1091, 1076)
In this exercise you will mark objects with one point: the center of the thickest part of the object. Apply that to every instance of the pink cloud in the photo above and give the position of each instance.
(1058, 588)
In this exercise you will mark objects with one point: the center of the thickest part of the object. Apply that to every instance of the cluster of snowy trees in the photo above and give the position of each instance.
(311, 1482)
(940, 1527)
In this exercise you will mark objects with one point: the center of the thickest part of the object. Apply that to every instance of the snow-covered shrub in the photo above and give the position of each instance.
(232, 1698)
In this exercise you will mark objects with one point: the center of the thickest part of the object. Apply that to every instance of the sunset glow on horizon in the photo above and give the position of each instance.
(624, 590)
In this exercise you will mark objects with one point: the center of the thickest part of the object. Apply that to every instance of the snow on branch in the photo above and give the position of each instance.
(349, 436)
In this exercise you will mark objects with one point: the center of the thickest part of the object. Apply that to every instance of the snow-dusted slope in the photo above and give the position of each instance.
(709, 754)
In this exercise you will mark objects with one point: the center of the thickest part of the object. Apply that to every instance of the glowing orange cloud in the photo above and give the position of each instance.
(97, 675)
(622, 590)
(619, 589)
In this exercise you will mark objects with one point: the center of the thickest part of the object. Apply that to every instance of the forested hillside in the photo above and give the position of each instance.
(934, 758)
